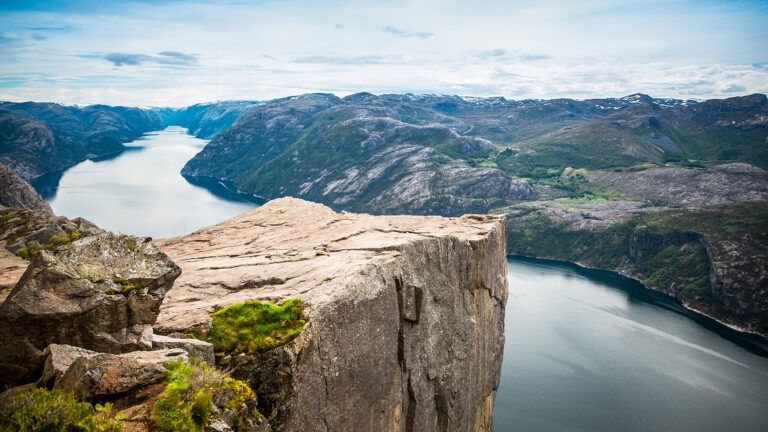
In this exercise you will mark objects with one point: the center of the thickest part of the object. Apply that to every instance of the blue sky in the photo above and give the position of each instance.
(182, 52)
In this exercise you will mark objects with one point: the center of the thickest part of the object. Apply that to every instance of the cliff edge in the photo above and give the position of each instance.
(405, 314)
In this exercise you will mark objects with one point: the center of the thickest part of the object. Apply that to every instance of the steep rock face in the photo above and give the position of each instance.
(15, 192)
(101, 293)
(405, 313)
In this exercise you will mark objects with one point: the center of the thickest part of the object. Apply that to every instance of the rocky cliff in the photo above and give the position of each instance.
(405, 314)
(16, 193)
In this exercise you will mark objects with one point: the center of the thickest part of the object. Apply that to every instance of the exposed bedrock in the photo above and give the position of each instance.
(405, 327)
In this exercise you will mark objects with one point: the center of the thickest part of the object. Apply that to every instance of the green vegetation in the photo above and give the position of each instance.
(32, 247)
(126, 286)
(255, 326)
(188, 399)
(35, 409)
(666, 250)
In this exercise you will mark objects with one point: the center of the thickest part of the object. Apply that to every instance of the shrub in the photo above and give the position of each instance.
(254, 326)
(188, 399)
(36, 409)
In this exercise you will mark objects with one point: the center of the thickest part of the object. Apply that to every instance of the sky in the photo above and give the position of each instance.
(177, 53)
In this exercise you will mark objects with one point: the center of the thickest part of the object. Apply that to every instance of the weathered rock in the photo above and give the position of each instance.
(11, 269)
(16, 193)
(195, 348)
(113, 374)
(58, 359)
(405, 314)
(101, 293)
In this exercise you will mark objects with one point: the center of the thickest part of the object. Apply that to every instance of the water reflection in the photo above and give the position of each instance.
(141, 191)
(592, 350)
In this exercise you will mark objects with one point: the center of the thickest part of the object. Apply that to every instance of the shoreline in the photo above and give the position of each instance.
(685, 305)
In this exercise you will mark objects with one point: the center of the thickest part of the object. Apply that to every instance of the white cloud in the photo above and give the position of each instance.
(186, 52)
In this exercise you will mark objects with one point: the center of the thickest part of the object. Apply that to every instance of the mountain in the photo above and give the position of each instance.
(450, 155)
(205, 120)
(38, 138)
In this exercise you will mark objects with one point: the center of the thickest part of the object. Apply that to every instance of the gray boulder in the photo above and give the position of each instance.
(111, 374)
(58, 359)
(101, 293)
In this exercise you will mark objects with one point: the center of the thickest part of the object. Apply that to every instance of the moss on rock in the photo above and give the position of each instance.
(255, 326)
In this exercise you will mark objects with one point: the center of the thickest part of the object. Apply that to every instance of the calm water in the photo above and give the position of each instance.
(586, 350)
(589, 350)
(140, 191)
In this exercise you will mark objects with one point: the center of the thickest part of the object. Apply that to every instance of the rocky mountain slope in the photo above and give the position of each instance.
(37, 138)
(404, 314)
(450, 155)
(15, 192)
(698, 235)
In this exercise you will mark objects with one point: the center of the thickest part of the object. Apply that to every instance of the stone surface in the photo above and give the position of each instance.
(58, 359)
(405, 313)
(99, 374)
(195, 348)
(680, 187)
(16, 193)
(102, 293)
(11, 269)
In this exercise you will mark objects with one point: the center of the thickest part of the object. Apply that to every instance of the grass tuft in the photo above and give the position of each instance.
(188, 399)
(254, 326)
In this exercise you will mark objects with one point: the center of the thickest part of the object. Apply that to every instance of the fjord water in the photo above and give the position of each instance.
(141, 191)
(590, 350)
(585, 350)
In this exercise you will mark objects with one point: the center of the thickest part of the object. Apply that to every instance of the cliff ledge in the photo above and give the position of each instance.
(405, 314)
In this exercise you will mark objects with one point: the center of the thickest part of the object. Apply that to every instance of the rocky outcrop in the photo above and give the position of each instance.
(405, 314)
(16, 193)
(101, 293)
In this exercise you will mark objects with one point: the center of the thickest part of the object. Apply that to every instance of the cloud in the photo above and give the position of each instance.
(56, 29)
(504, 55)
(175, 58)
(347, 60)
(734, 88)
(407, 33)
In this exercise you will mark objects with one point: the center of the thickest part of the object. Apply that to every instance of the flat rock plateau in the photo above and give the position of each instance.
(405, 314)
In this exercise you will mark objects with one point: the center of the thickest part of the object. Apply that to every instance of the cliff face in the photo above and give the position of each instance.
(405, 314)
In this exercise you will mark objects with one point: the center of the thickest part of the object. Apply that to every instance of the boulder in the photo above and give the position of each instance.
(195, 348)
(101, 293)
(58, 359)
(101, 374)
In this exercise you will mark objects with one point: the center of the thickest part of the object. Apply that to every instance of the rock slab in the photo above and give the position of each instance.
(405, 313)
